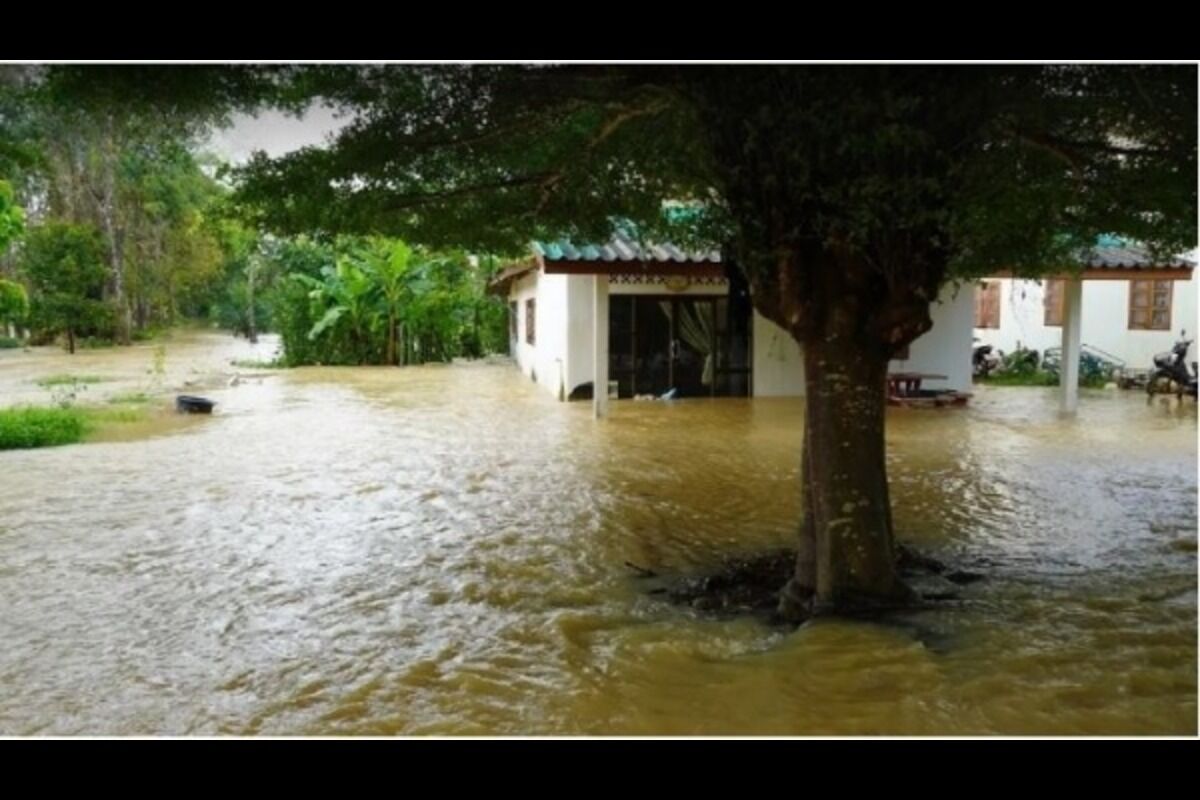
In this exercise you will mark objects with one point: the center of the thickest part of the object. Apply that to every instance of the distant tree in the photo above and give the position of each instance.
(89, 151)
(66, 268)
(14, 305)
(12, 216)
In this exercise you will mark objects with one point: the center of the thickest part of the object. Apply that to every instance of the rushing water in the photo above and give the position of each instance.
(442, 550)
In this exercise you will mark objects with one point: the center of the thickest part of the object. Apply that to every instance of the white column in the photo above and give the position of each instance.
(1071, 326)
(600, 346)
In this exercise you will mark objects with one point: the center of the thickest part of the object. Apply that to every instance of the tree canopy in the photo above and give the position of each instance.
(1008, 166)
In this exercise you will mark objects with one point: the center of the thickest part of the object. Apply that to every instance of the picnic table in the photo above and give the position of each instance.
(908, 384)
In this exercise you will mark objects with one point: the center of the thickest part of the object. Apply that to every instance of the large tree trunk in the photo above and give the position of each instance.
(848, 320)
(846, 557)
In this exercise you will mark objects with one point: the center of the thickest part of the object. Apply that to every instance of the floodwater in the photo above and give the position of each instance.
(441, 550)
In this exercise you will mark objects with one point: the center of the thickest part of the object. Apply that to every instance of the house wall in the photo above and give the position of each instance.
(943, 350)
(946, 348)
(581, 291)
(778, 361)
(546, 359)
(1105, 323)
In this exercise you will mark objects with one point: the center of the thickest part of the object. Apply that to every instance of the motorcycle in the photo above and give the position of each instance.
(1171, 374)
(985, 360)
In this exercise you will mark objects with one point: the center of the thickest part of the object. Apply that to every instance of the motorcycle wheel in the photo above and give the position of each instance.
(1160, 384)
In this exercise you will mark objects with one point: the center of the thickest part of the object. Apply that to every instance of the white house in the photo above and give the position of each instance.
(1131, 306)
(644, 320)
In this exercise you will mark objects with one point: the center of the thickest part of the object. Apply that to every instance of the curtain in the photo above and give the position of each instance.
(696, 328)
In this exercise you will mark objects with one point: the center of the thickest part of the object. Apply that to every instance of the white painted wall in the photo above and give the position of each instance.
(580, 295)
(1105, 320)
(946, 348)
(778, 362)
(546, 359)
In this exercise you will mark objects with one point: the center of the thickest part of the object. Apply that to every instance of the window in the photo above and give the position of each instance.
(987, 305)
(1052, 301)
(530, 322)
(512, 321)
(1150, 305)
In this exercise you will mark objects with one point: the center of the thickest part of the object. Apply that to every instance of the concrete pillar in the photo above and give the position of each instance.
(1071, 326)
(600, 347)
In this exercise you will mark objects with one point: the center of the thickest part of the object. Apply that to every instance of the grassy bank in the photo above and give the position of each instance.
(33, 426)
(22, 428)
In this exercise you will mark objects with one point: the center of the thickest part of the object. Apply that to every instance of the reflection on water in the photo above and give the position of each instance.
(441, 550)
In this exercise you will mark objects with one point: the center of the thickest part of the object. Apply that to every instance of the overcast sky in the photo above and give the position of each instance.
(272, 131)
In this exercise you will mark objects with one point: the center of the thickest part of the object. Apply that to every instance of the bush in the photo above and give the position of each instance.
(22, 428)
(9, 343)
(1042, 378)
(1022, 378)
(66, 379)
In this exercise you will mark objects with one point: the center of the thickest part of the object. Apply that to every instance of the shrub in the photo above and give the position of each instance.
(22, 428)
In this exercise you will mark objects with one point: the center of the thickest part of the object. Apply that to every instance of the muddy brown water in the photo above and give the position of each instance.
(440, 550)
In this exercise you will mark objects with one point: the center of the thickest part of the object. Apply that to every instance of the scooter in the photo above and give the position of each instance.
(1171, 374)
(985, 360)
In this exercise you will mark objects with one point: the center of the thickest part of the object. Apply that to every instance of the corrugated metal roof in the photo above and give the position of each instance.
(1130, 256)
(621, 247)
(503, 279)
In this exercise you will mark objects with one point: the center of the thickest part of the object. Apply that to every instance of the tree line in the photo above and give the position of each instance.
(115, 225)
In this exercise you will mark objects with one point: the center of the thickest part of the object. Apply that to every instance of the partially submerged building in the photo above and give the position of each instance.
(1131, 305)
(648, 319)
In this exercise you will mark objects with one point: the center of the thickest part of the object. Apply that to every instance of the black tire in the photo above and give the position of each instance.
(1160, 384)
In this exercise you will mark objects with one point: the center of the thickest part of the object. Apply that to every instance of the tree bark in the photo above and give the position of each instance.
(106, 201)
(846, 555)
(391, 340)
(251, 321)
(849, 321)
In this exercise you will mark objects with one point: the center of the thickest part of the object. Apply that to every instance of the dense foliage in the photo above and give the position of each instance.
(89, 155)
(65, 266)
(376, 301)
(131, 176)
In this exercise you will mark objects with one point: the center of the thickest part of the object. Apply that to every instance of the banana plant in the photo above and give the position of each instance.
(347, 295)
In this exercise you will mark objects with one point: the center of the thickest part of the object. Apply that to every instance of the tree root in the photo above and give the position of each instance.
(764, 586)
